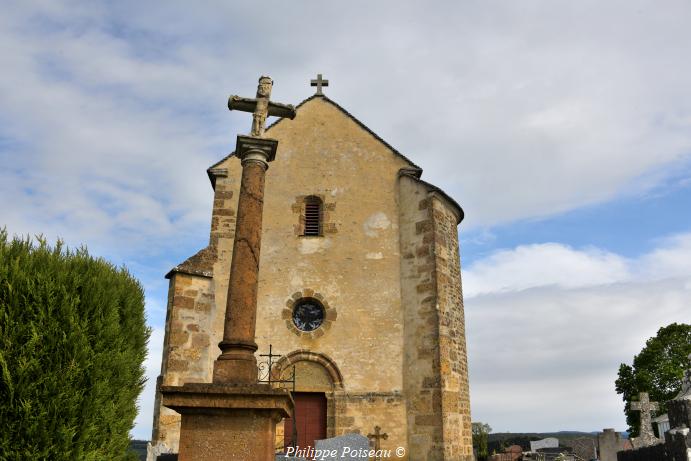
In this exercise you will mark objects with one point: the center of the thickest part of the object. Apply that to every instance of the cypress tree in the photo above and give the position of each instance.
(73, 339)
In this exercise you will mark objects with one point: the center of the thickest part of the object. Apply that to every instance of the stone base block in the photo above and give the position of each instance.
(222, 422)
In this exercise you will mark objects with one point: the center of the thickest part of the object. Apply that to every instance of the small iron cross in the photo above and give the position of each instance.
(376, 438)
(319, 83)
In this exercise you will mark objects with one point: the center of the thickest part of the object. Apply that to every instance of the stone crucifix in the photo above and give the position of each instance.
(376, 438)
(645, 406)
(261, 107)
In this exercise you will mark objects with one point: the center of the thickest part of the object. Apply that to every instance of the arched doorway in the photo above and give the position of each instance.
(317, 378)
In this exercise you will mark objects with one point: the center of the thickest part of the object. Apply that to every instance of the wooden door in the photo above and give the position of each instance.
(310, 417)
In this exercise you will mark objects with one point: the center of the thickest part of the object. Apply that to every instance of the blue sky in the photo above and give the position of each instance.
(563, 128)
(630, 226)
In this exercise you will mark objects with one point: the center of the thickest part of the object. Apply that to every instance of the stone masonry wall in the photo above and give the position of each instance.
(223, 214)
(186, 347)
(436, 380)
(453, 357)
(421, 358)
(361, 412)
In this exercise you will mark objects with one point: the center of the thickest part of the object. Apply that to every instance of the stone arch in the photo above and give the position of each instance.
(316, 373)
(303, 355)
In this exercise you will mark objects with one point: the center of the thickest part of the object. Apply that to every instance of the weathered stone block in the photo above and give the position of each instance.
(177, 365)
(425, 287)
(427, 420)
(200, 340)
(183, 302)
(178, 338)
(202, 306)
(423, 226)
(224, 212)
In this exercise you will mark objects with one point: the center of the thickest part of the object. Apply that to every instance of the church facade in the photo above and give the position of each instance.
(359, 292)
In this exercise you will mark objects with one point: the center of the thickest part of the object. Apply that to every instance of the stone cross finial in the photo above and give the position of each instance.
(645, 406)
(376, 438)
(319, 83)
(261, 107)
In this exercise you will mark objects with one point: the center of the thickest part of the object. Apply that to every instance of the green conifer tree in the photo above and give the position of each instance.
(73, 340)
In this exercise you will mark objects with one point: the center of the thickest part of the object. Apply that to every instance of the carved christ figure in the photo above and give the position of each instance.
(261, 107)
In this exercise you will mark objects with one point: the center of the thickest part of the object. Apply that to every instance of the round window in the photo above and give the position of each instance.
(308, 314)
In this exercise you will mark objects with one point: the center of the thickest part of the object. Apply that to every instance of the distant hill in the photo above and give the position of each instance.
(139, 447)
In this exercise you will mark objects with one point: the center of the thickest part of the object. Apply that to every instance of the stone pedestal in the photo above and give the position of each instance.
(223, 421)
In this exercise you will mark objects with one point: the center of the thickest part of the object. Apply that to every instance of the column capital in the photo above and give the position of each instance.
(252, 148)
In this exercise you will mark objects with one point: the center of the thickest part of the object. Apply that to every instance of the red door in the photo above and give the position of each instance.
(310, 417)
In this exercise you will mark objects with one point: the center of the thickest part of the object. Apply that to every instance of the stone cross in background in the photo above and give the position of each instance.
(319, 83)
(646, 436)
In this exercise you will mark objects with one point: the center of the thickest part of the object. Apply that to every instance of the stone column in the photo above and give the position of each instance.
(237, 363)
(235, 417)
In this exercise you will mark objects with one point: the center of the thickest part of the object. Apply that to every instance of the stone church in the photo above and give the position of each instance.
(359, 292)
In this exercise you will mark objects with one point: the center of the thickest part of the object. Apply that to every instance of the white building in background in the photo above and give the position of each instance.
(662, 425)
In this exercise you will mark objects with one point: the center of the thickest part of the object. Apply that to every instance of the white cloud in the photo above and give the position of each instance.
(94, 157)
(552, 324)
(673, 257)
(530, 266)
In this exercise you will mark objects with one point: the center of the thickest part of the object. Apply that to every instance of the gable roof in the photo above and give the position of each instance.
(345, 112)
(412, 171)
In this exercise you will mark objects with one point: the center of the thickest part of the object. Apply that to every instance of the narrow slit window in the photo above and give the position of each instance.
(313, 217)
